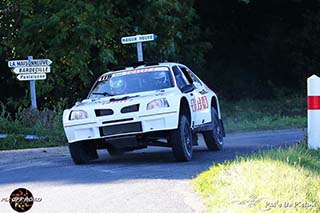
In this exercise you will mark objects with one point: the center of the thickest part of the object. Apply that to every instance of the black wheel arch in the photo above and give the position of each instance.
(185, 108)
(214, 104)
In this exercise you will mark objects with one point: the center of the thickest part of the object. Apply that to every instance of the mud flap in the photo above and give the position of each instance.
(222, 126)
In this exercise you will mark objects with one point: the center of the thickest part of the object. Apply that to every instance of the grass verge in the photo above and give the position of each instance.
(45, 123)
(251, 115)
(281, 180)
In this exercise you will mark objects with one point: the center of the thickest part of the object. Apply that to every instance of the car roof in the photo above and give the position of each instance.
(141, 65)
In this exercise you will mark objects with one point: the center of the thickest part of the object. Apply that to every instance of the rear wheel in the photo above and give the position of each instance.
(181, 140)
(214, 137)
(82, 152)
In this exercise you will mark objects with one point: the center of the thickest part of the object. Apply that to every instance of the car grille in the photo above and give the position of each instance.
(103, 112)
(120, 129)
(116, 121)
(132, 108)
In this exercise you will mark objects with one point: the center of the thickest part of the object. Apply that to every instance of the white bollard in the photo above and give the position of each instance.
(314, 112)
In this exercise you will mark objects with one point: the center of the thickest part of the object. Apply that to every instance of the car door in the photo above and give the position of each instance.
(200, 101)
(183, 83)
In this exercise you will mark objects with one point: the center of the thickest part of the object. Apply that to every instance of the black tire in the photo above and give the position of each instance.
(82, 152)
(214, 137)
(195, 139)
(114, 152)
(181, 140)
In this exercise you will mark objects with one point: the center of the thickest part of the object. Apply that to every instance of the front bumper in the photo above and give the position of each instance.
(104, 128)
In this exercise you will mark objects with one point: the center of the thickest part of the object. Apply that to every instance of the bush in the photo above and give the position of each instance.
(47, 124)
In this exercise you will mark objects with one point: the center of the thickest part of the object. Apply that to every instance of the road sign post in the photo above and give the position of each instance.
(139, 51)
(31, 70)
(139, 39)
(33, 90)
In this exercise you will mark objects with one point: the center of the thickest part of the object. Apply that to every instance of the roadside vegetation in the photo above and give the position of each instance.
(45, 124)
(251, 115)
(281, 180)
(245, 115)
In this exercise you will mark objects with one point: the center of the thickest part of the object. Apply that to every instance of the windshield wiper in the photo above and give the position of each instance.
(123, 98)
(102, 93)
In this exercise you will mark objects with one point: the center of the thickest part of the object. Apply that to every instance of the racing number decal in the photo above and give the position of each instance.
(200, 103)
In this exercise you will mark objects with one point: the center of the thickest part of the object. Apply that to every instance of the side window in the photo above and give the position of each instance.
(194, 77)
(180, 78)
(186, 73)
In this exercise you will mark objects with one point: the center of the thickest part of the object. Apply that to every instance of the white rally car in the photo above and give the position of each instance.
(159, 104)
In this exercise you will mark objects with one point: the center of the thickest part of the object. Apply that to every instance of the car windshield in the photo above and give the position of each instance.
(132, 81)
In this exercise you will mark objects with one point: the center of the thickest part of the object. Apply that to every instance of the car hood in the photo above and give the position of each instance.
(114, 101)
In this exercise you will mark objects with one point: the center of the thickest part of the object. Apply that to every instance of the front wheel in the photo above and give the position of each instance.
(181, 140)
(114, 152)
(82, 152)
(214, 137)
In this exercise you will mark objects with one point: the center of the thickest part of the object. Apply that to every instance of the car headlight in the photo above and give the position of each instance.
(158, 103)
(78, 114)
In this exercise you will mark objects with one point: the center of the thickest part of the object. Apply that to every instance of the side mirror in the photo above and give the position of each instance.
(187, 88)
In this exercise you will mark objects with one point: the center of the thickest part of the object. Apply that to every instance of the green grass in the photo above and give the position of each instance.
(266, 181)
(17, 141)
(46, 123)
(251, 115)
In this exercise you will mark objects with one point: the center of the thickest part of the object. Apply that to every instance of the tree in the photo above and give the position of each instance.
(261, 48)
(83, 37)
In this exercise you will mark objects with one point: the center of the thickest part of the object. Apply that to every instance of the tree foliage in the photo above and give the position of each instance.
(83, 37)
(261, 48)
(242, 48)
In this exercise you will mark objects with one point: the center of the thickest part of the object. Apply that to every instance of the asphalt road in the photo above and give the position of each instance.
(147, 180)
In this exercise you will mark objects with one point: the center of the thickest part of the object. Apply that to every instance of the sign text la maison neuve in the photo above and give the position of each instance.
(29, 63)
